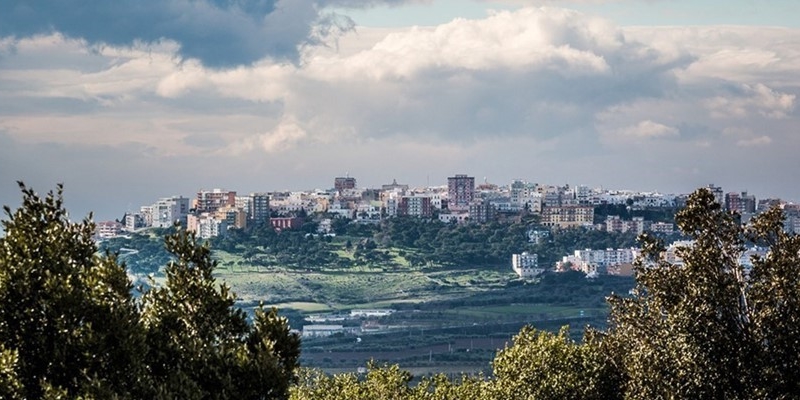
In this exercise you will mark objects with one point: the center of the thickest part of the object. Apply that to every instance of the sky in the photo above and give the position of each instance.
(135, 100)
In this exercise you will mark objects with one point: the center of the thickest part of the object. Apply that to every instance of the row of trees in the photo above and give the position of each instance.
(70, 327)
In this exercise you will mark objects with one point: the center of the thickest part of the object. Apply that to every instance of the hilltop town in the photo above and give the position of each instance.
(213, 213)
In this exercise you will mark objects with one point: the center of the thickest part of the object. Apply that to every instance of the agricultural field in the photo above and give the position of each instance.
(445, 318)
(453, 296)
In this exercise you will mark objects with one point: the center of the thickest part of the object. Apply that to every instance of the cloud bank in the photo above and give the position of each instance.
(547, 94)
(219, 33)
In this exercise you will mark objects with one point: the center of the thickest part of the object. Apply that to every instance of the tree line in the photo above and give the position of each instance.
(419, 241)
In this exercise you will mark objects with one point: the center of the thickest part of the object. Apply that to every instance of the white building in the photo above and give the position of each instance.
(321, 330)
(108, 229)
(206, 225)
(591, 261)
(454, 217)
(526, 265)
(169, 210)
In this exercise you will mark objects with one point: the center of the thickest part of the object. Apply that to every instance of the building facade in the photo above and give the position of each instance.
(567, 216)
(259, 208)
(212, 200)
(460, 191)
(415, 206)
(526, 265)
(169, 210)
(341, 183)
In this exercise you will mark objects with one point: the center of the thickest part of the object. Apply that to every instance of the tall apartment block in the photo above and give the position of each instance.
(741, 202)
(259, 207)
(165, 212)
(461, 191)
(344, 182)
(212, 200)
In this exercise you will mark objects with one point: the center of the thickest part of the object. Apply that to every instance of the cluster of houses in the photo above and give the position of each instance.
(212, 212)
(615, 261)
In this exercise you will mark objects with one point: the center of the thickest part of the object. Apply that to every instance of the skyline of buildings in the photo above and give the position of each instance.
(212, 212)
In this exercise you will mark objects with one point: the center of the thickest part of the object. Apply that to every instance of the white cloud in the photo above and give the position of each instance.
(752, 99)
(283, 136)
(756, 141)
(649, 130)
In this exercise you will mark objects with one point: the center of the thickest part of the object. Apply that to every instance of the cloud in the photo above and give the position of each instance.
(220, 33)
(539, 93)
(756, 141)
(285, 135)
(752, 99)
(648, 130)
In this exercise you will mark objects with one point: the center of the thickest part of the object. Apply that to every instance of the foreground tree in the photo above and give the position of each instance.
(65, 312)
(70, 328)
(542, 365)
(386, 383)
(201, 346)
(710, 328)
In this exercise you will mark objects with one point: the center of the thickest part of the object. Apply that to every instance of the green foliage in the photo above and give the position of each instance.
(70, 328)
(385, 383)
(708, 329)
(10, 385)
(542, 365)
(66, 312)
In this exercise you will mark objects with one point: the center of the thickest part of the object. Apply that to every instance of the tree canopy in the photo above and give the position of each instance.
(70, 327)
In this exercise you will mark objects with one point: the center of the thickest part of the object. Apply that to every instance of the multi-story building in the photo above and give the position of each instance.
(460, 192)
(259, 208)
(719, 197)
(107, 229)
(367, 212)
(211, 200)
(147, 215)
(206, 225)
(567, 216)
(636, 225)
(740, 202)
(243, 203)
(614, 223)
(588, 261)
(284, 223)
(415, 206)
(662, 227)
(524, 195)
(234, 217)
(481, 211)
(341, 183)
(134, 222)
(169, 210)
(583, 195)
(766, 204)
(526, 265)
